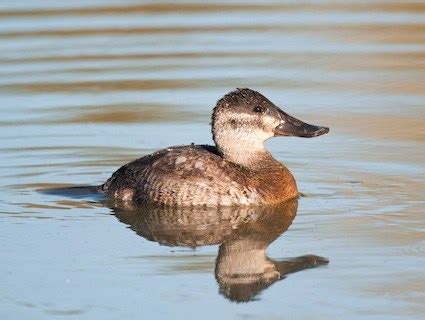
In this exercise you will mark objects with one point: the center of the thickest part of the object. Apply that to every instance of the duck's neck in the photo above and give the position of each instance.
(242, 150)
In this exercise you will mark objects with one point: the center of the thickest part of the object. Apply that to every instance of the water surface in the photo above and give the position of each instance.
(84, 88)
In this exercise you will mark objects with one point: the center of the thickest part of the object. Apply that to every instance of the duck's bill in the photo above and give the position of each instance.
(291, 126)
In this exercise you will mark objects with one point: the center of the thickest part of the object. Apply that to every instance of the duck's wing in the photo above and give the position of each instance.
(185, 175)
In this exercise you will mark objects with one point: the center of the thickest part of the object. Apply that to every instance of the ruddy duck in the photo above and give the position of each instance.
(237, 171)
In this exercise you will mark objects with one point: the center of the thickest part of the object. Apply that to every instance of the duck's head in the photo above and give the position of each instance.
(243, 119)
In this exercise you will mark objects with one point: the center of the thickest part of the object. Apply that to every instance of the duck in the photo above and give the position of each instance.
(237, 171)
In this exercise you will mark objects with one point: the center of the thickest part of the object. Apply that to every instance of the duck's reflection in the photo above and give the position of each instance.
(242, 267)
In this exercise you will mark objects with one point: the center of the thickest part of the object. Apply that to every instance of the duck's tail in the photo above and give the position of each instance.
(74, 191)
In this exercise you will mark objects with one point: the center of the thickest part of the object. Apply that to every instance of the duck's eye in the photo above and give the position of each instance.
(259, 109)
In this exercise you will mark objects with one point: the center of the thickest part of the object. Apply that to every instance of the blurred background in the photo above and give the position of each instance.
(86, 86)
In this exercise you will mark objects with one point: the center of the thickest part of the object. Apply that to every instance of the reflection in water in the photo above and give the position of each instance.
(86, 86)
(242, 267)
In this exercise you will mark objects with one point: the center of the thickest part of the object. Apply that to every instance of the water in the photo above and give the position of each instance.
(85, 88)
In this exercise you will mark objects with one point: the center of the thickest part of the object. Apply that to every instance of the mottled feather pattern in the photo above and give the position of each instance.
(197, 175)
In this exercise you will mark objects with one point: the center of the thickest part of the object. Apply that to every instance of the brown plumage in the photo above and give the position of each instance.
(238, 171)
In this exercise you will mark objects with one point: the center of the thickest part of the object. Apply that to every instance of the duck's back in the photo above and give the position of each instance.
(184, 176)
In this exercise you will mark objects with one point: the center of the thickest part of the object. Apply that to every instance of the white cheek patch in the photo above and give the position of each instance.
(270, 121)
(259, 135)
(250, 127)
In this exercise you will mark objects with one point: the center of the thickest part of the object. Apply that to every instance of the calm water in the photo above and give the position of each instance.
(86, 88)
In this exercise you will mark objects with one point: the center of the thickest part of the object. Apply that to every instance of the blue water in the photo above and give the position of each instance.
(85, 88)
